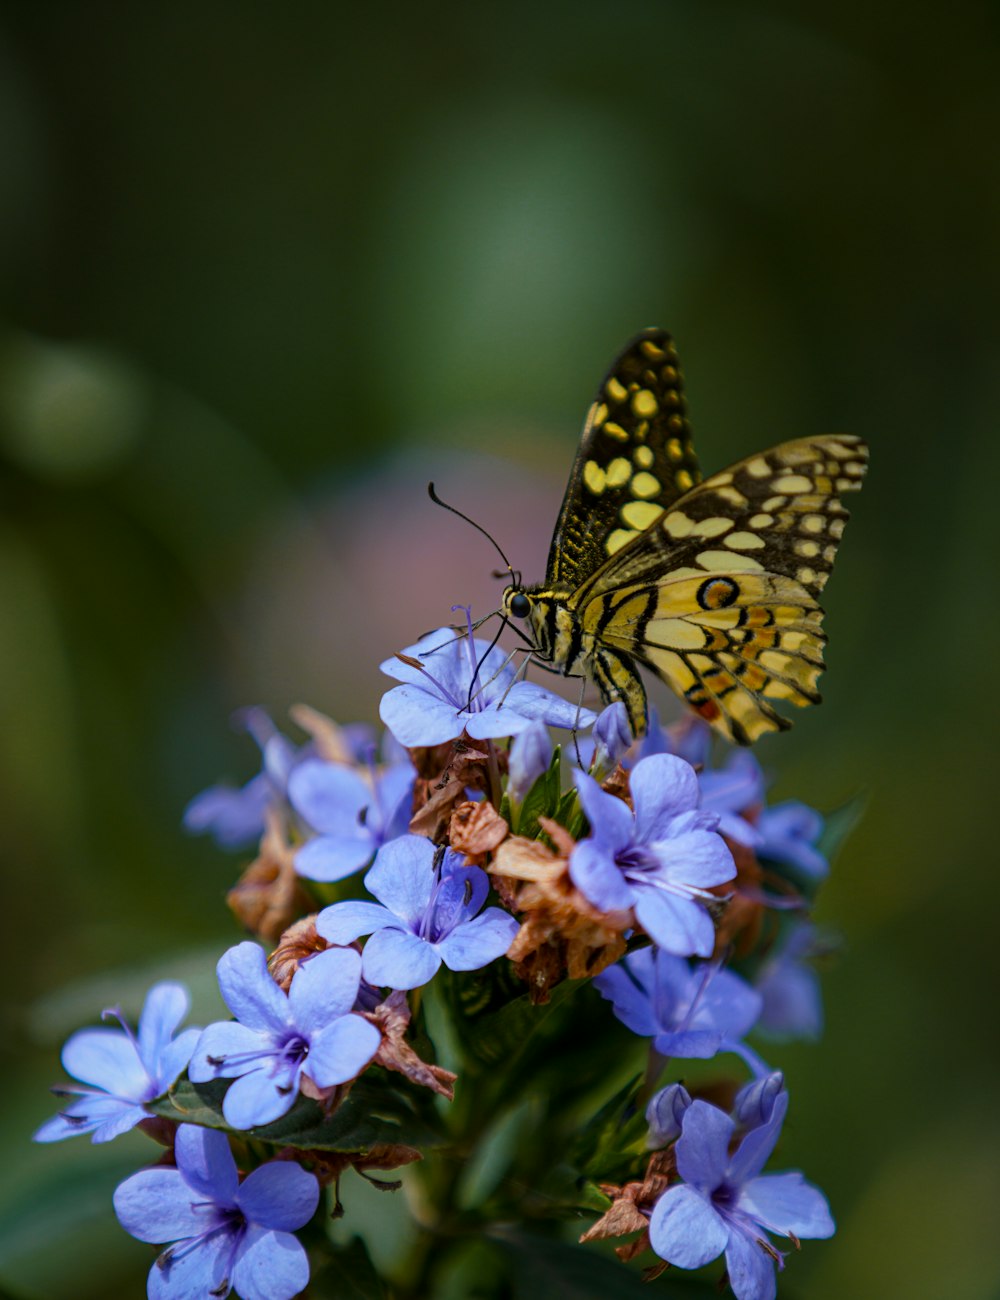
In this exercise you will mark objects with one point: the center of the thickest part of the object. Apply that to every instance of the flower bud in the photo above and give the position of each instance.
(612, 737)
(755, 1102)
(530, 756)
(664, 1115)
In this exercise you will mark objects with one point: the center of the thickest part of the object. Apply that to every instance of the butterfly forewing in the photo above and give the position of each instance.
(718, 595)
(635, 459)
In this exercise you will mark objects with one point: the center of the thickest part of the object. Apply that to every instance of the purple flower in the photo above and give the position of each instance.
(788, 834)
(226, 1233)
(465, 686)
(661, 861)
(277, 1038)
(688, 1011)
(731, 791)
(530, 756)
(725, 1204)
(236, 817)
(664, 1115)
(125, 1070)
(428, 915)
(354, 817)
(793, 1007)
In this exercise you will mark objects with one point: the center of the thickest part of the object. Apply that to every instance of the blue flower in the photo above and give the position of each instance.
(428, 915)
(688, 1011)
(530, 756)
(665, 1114)
(234, 817)
(125, 1070)
(789, 833)
(354, 818)
(226, 1233)
(277, 1038)
(793, 1006)
(725, 1204)
(661, 861)
(465, 686)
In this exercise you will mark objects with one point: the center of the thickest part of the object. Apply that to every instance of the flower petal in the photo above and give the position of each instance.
(754, 1151)
(86, 1115)
(335, 857)
(448, 660)
(115, 1125)
(537, 704)
(174, 1058)
(106, 1058)
(329, 796)
(727, 1004)
(462, 892)
(787, 1204)
(403, 877)
(260, 1097)
(612, 825)
(702, 1149)
(342, 1050)
(270, 1265)
(342, 923)
(685, 1229)
(415, 716)
(324, 988)
(398, 960)
(688, 1044)
(227, 1049)
(279, 1195)
(750, 1268)
(662, 786)
(248, 989)
(166, 1006)
(697, 857)
(478, 942)
(626, 985)
(206, 1163)
(678, 925)
(196, 1272)
(593, 871)
(157, 1205)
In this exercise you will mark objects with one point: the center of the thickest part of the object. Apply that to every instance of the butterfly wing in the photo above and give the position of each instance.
(719, 595)
(635, 458)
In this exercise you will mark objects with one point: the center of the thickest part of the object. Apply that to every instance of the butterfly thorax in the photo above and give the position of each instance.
(553, 628)
(569, 639)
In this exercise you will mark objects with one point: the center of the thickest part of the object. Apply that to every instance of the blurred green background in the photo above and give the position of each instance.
(267, 269)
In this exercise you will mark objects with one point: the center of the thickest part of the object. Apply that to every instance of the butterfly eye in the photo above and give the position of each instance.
(520, 605)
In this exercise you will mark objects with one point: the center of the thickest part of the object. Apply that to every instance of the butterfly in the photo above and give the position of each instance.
(711, 583)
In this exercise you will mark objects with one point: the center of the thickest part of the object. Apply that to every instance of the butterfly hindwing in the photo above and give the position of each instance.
(718, 595)
(635, 459)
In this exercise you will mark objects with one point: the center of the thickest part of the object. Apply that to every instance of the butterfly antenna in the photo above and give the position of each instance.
(516, 577)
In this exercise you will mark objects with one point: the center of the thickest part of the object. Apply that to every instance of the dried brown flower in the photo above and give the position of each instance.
(268, 896)
(476, 829)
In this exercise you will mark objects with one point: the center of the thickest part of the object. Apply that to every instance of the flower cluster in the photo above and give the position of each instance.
(427, 895)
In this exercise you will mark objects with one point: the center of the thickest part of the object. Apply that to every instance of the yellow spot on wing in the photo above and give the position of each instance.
(640, 514)
(683, 480)
(645, 484)
(674, 449)
(713, 527)
(758, 467)
(618, 538)
(615, 430)
(677, 524)
(644, 404)
(793, 483)
(732, 561)
(594, 477)
(618, 472)
(745, 541)
(643, 457)
(762, 521)
(615, 390)
(598, 414)
(813, 523)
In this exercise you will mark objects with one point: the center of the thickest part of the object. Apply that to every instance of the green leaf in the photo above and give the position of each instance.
(376, 1112)
(542, 800)
(839, 824)
(610, 1146)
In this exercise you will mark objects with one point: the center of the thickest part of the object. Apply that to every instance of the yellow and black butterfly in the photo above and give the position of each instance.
(710, 583)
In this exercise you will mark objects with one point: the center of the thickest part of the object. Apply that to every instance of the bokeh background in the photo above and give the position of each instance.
(267, 269)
